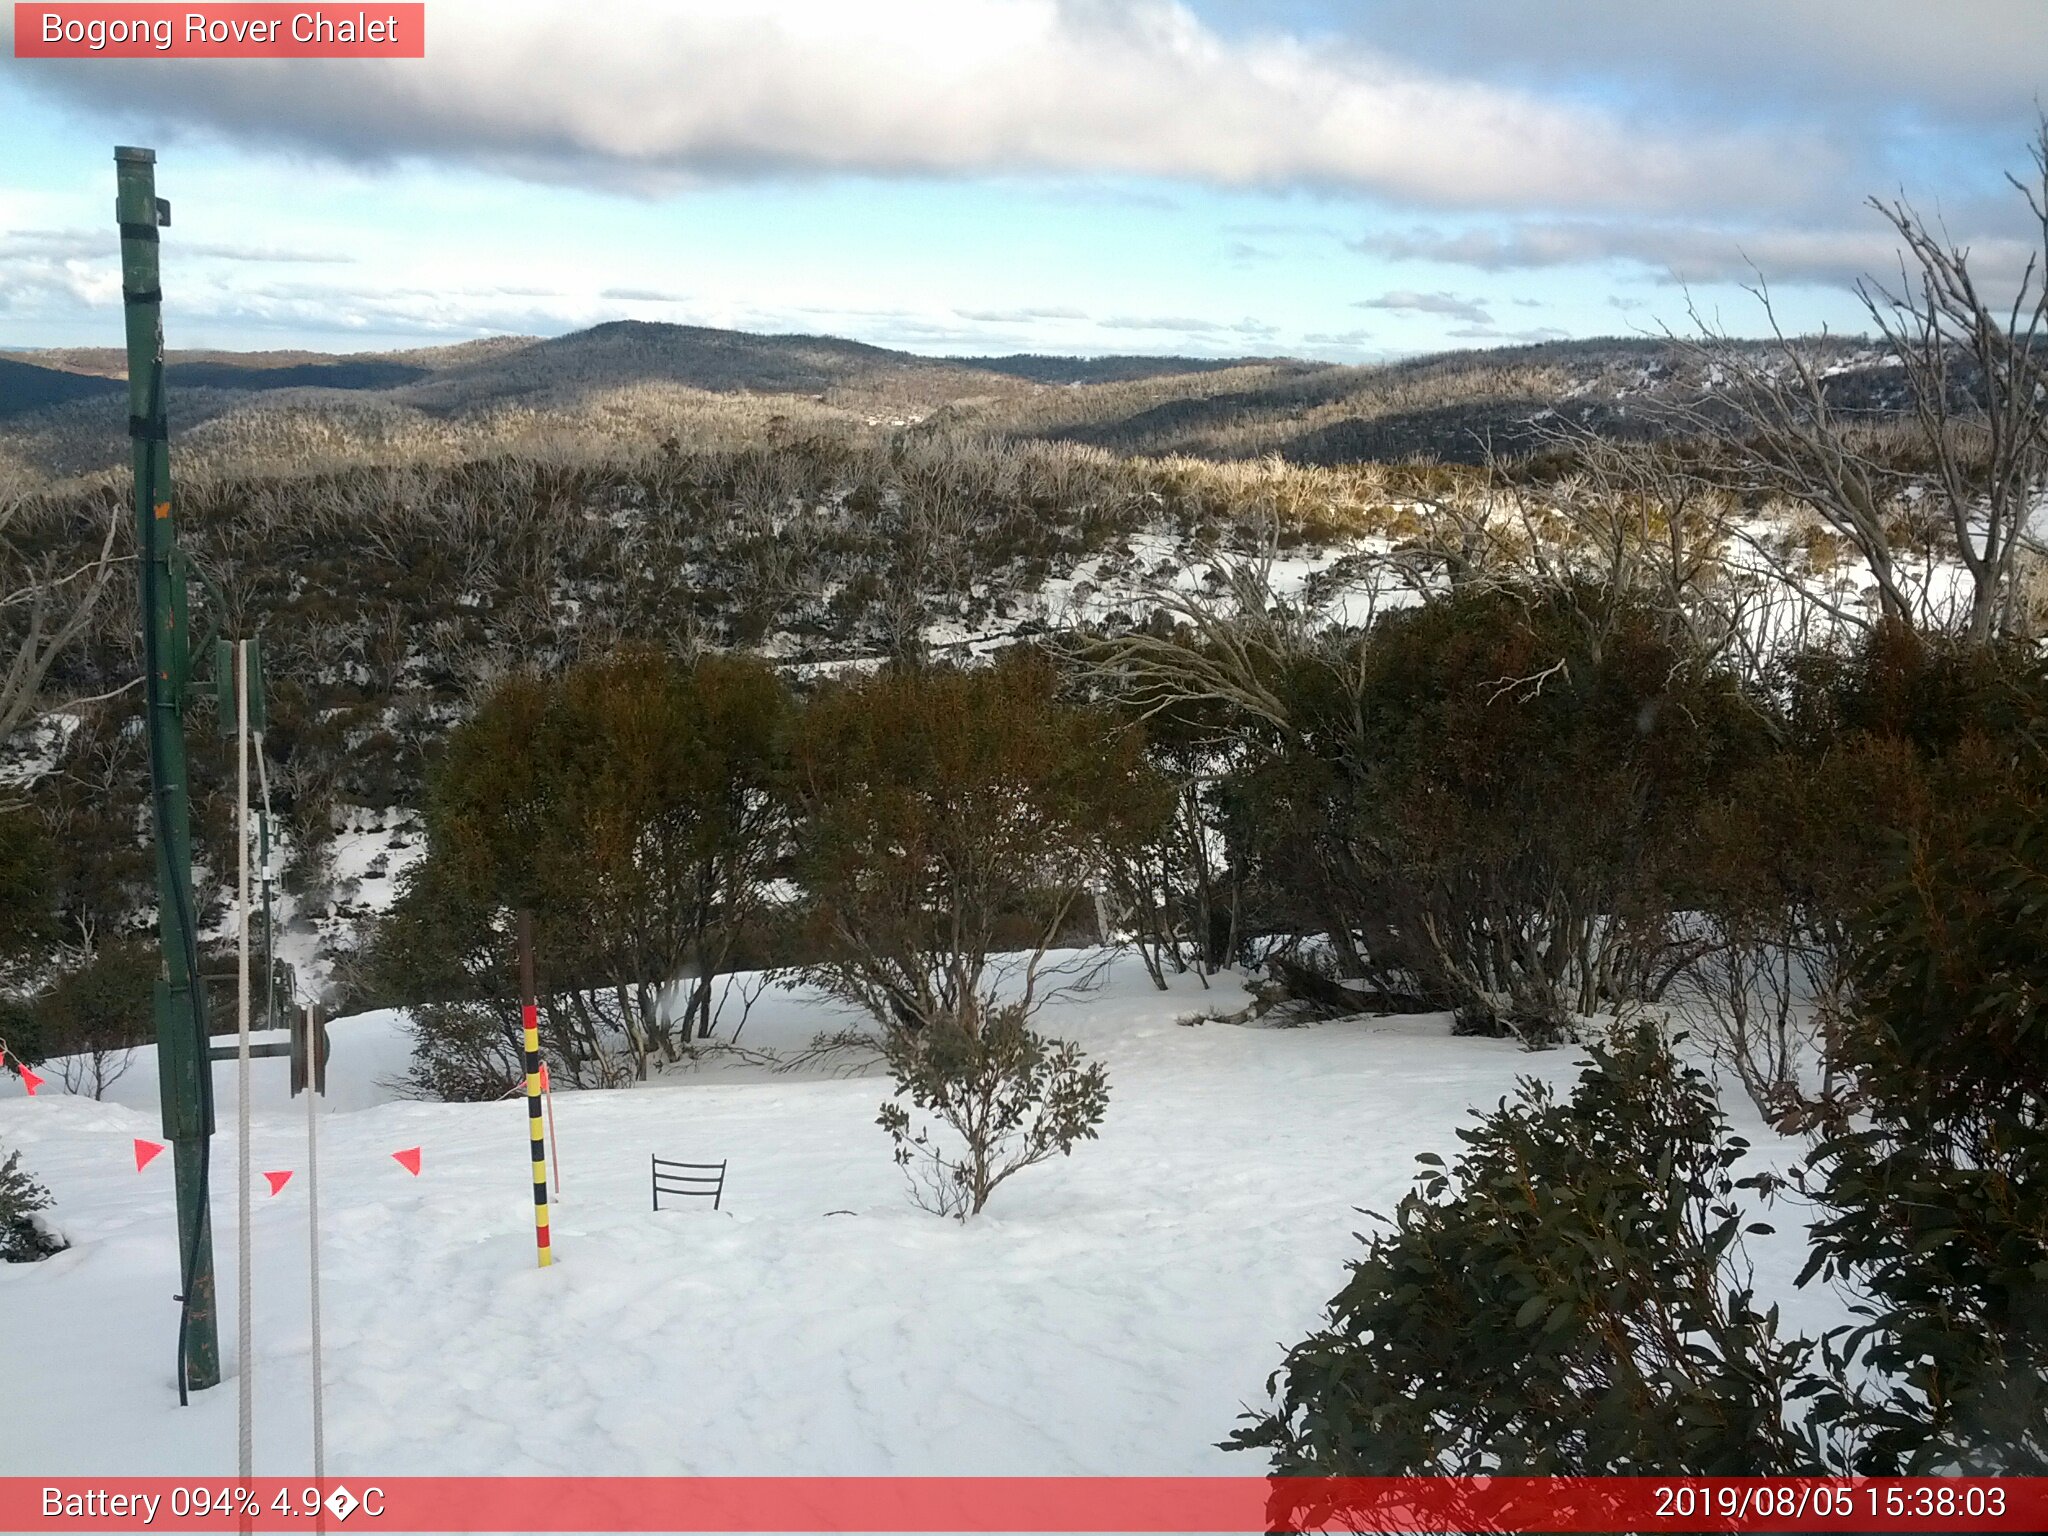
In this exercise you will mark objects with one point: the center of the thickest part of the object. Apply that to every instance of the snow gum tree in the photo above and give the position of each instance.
(629, 803)
(949, 825)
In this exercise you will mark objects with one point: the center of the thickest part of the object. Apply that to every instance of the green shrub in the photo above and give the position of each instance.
(1897, 738)
(27, 905)
(21, 1031)
(1932, 692)
(1936, 1197)
(105, 1002)
(1010, 1097)
(1494, 798)
(943, 818)
(95, 1014)
(463, 1053)
(1568, 1297)
(22, 1239)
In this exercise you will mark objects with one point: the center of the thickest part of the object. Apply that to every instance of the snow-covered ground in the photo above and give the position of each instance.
(1110, 1313)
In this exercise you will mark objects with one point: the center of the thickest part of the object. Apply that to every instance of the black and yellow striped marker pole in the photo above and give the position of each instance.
(536, 1133)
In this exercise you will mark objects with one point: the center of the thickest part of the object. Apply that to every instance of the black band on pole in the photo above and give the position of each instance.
(138, 232)
(155, 429)
(142, 295)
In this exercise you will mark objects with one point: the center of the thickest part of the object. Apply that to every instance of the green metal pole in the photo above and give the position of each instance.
(185, 1072)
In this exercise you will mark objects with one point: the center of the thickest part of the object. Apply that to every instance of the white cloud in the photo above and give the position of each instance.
(1495, 334)
(1022, 315)
(639, 92)
(1685, 252)
(1189, 323)
(1982, 60)
(87, 244)
(1407, 302)
(38, 283)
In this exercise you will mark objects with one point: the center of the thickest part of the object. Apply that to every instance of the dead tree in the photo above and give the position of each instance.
(46, 602)
(1975, 382)
(1978, 383)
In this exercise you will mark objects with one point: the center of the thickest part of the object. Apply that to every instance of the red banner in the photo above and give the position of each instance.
(372, 30)
(1018, 1504)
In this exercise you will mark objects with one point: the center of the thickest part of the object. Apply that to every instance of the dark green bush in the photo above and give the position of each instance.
(1568, 1297)
(103, 1003)
(628, 804)
(21, 1031)
(464, 1053)
(96, 1012)
(942, 818)
(1932, 692)
(21, 1198)
(1494, 798)
(1936, 1197)
(1899, 738)
(27, 901)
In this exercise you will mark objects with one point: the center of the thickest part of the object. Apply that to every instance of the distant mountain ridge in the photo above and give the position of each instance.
(26, 386)
(614, 354)
(33, 380)
(61, 411)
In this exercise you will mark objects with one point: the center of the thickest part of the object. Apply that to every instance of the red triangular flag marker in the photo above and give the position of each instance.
(30, 1081)
(279, 1180)
(144, 1151)
(409, 1159)
(543, 1077)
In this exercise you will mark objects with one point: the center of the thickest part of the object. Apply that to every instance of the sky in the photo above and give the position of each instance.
(1315, 178)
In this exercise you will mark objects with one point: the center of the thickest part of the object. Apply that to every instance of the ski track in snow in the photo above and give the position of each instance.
(1110, 1313)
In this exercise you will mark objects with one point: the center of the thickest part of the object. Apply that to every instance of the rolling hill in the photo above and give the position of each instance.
(62, 411)
(26, 386)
